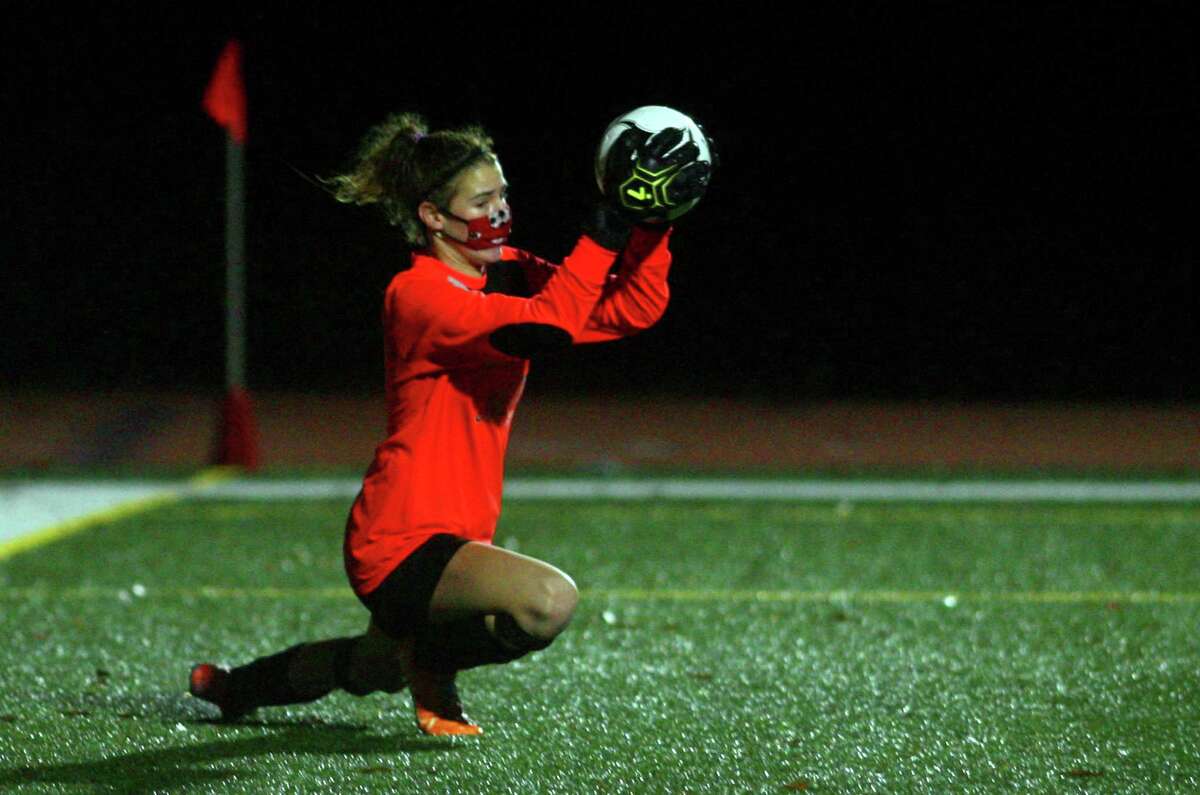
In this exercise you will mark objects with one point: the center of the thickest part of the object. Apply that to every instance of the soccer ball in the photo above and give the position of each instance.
(645, 191)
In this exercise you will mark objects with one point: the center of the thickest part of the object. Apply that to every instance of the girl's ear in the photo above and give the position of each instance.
(430, 215)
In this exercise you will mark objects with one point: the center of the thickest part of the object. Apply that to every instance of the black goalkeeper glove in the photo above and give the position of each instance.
(654, 179)
(608, 227)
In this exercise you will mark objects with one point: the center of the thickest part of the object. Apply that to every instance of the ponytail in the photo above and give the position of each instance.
(400, 164)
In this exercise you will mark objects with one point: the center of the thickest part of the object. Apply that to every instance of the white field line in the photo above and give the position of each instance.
(27, 508)
(50, 509)
(1075, 491)
(39, 512)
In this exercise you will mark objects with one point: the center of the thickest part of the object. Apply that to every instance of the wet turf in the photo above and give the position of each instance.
(719, 647)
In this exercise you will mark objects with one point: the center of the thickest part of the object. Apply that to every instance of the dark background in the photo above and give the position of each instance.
(916, 200)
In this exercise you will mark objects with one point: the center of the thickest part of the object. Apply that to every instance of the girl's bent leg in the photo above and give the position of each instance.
(492, 606)
(484, 579)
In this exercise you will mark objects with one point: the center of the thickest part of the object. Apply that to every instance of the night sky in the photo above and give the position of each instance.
(950, 201)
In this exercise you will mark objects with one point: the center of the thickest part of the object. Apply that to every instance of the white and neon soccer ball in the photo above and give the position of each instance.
(645, 191)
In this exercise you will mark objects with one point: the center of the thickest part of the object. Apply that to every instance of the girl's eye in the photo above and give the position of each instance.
(483, 204)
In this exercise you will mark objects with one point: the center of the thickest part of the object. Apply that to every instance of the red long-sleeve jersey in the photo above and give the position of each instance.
(451, 394)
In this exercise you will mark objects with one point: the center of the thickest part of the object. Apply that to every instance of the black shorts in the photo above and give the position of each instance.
(400, 605)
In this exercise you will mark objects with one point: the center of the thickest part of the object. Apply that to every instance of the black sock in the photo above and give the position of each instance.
(265, 682)
(467, 643)
(509, 632)
(343, 657)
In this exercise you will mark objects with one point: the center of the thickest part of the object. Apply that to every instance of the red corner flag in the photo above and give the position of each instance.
(237, 440)
(225, 101)
(225, 97)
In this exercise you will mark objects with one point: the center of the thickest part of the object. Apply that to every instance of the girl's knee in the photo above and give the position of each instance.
(550, 606)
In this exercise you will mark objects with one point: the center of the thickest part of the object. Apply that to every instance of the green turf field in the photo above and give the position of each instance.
(719, 647)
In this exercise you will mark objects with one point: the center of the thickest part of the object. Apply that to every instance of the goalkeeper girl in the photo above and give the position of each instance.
(460, 324)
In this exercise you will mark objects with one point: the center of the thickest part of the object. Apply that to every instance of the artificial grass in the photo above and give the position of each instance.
(718, 647)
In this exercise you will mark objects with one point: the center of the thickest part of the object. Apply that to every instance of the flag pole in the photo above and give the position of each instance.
(225, 101)
(235, 265)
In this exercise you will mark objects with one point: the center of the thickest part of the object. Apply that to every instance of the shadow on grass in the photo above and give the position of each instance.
(168, 768)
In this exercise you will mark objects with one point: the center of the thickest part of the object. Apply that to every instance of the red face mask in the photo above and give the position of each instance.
(487, 231)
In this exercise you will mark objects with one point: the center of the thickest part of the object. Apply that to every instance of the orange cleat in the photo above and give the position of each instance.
(210, 683)
(439, 711)
(436, 725)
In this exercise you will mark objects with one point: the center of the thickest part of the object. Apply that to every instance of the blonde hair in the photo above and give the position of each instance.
(400, 164)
